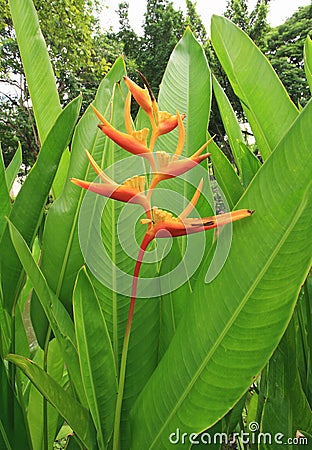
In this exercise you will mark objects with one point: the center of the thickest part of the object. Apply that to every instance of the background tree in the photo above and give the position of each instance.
(81, 54)
(128, 38)
(163, 26)
(193, 20)
(255, 24)
(284, 48)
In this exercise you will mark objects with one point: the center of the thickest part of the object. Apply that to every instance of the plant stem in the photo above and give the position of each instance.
(123, 364)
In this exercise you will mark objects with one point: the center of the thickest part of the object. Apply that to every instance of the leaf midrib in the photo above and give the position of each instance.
(234, 316)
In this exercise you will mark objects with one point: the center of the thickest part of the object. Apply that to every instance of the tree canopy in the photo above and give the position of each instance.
(284, 48)
(81, 53)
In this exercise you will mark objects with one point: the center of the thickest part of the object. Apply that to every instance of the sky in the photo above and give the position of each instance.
(280, 10)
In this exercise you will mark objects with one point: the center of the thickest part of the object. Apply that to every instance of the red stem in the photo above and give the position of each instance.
(146, 240)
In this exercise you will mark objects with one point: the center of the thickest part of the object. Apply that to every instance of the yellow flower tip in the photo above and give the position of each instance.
(127, 113)
(97, 169)
(200, 185)
(81, 183)
(202, 148)
(185, 213)
(181, 132)
(146, 221)
(100, 117)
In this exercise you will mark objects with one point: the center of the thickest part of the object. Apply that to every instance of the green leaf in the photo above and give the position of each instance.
(60, 322)
(265, 101)
(61, 254)
(246, 161)
(5, 329)
(225, 175)
(13, 168)
(230, 122)
(28, 207)
(36, 62)
(286, 409)
(61, 263)
(308, 60)
(77, 417)
(61, 175)
(183, 89)
(5, 202)
(234, 323)
(97, 362)
(303, 316)
(55, 367)
(13, 431)
(250, 164)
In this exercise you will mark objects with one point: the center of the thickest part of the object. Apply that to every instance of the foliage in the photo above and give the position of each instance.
(256, 26)
(163, 26)
(197, 350)
(127, 36)
(194, 21)
(80, 55)
(255, 23)
(284, 48)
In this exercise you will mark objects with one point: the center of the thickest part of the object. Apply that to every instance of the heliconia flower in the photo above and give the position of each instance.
(135, 143)
(170, 166)
(131, 190)
(163, 224)
(167, 122)
(162, 122)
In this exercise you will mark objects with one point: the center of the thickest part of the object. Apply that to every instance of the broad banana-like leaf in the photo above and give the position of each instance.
(304, 338)
(26, 213)
(265, 101)
(61, 174)
(97, 364)
(40, 77)
(308, 60)
(61, 254)
(286, 409)
(183, 90)
(112, 276)
(250, 164)
(5, 329)
(12, 170)
(13, 431)
(225, 175)
(230, 122)
(77, 417)
(55, 368)
(246, 161)
(37, 65)
(59, 320)
(61, 264)
(242, 314)
(5, 203)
